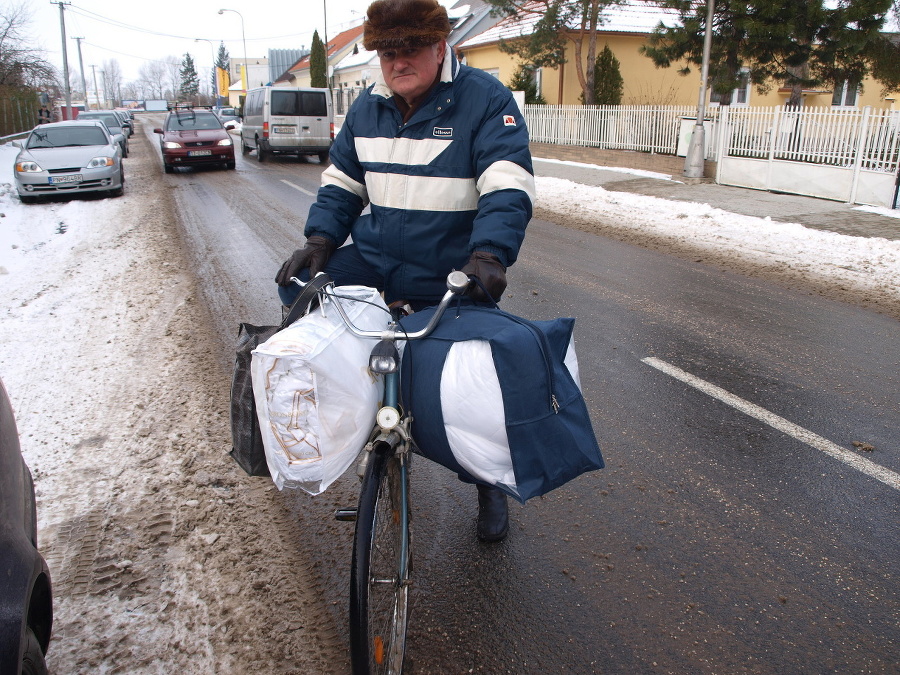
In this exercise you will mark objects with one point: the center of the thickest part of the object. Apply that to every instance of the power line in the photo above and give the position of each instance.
(120, 24)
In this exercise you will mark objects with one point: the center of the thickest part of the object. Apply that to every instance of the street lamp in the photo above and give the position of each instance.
(245, 80)
(213, 79)
(693, 162)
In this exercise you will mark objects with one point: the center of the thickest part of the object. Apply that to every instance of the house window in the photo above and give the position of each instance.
(739, 96)
(538, 74)
(845, 94)
(493, 71)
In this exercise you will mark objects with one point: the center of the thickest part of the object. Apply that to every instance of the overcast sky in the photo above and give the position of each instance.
(115, 29)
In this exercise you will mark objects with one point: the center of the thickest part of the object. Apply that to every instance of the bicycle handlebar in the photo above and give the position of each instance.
(457, 284)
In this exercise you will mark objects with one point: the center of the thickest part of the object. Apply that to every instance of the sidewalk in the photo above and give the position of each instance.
(821, 214)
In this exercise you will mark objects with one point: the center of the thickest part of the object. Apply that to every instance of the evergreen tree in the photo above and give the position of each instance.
(190, 81)
(318, 64)
(558, 21)
(800, 44)
(608, 82)
(523, 80)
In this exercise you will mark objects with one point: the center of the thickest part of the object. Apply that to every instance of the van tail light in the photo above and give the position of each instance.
(266, 130)
(332, 130)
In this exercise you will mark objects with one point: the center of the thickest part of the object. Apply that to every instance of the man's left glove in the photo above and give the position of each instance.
(487, 267)
(313, 255)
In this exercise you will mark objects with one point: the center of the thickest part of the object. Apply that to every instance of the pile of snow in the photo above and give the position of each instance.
(867, 262)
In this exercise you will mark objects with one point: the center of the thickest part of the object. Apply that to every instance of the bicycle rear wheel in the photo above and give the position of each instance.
(379, 579)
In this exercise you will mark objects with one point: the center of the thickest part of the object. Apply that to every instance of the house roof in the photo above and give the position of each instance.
(335, 45)
(632, 16)
(359, 59)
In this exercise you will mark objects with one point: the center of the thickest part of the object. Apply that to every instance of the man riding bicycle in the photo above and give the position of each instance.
(440, 153)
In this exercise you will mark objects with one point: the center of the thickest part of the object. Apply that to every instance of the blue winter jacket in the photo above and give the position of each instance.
(456, 178)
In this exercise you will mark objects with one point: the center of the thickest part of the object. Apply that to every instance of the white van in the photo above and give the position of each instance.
(292, 120)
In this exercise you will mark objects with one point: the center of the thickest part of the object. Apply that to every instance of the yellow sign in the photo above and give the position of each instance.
(223, 81)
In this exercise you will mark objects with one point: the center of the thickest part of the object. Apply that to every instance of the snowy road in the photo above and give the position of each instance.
(165, 558)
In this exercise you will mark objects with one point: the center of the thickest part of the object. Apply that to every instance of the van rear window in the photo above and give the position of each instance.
(305, 103)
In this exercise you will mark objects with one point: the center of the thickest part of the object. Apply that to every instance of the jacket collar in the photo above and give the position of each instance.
(449, 69)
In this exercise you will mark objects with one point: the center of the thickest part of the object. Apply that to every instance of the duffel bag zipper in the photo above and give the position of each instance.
(545, 350)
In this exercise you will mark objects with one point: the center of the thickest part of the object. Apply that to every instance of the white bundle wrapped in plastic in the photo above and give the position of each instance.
(472, 408)
(315, 396)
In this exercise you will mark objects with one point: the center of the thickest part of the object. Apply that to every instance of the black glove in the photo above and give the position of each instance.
(486, 266)
(313, 255)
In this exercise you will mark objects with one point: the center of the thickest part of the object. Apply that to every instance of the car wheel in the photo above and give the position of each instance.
(245, 149)
(169, 168)
(229, 165)
(323, 157)
(260, 152)
(124, 151)
(33, 659)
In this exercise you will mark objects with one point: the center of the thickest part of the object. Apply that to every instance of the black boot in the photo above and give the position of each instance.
(493, 515)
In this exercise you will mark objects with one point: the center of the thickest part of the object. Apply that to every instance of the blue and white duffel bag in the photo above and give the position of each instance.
(497, 399)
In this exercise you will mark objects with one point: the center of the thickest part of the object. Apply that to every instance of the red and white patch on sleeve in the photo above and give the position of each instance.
(509, 121)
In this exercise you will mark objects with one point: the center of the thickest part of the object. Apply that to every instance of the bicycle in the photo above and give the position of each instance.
(380, 571)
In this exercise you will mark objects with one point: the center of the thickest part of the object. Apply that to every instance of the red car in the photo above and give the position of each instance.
(194, 137)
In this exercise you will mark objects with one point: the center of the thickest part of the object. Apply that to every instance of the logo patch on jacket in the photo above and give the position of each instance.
(443, 131)
(509, 121)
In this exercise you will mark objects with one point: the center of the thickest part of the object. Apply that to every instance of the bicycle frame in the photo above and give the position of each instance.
(378, 631)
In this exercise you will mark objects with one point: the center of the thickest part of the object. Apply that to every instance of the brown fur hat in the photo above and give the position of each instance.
(395, 24)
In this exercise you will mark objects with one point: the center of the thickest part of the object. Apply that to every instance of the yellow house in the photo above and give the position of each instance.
(626, 28)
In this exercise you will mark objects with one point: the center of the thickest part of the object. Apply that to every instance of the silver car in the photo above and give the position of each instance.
(113, 123)
(69, 157)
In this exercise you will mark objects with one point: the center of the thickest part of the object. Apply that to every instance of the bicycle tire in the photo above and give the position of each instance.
(379, 578)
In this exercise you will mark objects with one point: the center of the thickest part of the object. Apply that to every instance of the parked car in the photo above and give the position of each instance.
(26, 614)
(228, 116)
(291, 120)
(113, 123)
(69, 157)
(127, 125)
(194, 137)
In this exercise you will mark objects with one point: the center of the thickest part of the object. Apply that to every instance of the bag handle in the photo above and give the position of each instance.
(490, 298)
(304, 300)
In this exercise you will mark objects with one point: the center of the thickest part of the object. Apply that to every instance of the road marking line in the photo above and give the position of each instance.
(297, 187)
(804, 435)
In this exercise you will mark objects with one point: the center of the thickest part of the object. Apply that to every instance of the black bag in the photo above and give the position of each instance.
(246, 440)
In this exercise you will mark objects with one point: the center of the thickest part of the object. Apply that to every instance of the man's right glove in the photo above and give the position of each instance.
(313, 255)
(488, 268)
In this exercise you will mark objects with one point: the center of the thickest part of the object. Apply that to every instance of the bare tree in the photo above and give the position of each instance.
(112, 81)
(153, 76)
(20, 63)
(172, 65)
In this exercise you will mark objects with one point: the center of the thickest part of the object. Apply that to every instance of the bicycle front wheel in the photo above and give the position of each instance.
(379, 580)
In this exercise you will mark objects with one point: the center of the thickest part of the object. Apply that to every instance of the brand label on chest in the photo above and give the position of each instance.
(443, 132)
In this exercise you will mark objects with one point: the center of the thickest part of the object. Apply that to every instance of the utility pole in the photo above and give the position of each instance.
(105, 91)
(62, 28)
(325, 35)
(81, 67)
(693, 162)
(96, 90)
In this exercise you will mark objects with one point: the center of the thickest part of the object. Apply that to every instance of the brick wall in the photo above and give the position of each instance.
(668, 164)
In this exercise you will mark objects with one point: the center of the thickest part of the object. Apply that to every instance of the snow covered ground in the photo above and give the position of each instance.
(106, 371)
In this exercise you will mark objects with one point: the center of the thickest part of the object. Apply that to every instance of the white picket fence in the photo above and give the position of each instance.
(837, 153)
(642, 128)
(822, 135)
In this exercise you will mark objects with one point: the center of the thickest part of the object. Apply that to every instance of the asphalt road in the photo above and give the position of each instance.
(736, 528)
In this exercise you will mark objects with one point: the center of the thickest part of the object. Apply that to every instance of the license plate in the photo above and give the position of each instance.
(199, 153)
(283, 130)
(72, 178)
